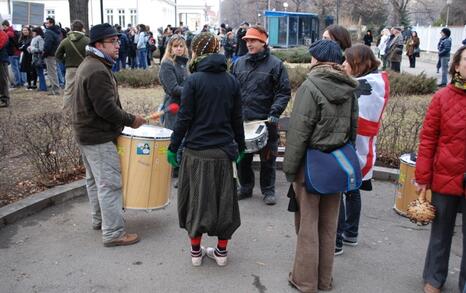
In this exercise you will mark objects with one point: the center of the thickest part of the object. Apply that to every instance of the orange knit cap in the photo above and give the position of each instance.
(255, 34)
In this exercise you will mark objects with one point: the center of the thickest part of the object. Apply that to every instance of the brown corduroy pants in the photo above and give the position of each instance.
(316, 227)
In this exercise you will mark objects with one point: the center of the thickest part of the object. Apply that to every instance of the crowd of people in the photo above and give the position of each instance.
(392, 41)
(340, 102)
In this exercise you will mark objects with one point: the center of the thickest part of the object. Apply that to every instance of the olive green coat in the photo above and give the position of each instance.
(324, 116)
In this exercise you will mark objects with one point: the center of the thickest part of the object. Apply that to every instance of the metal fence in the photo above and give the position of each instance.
(430, 35)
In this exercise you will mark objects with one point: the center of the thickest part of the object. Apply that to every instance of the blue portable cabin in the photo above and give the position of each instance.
(290, 29)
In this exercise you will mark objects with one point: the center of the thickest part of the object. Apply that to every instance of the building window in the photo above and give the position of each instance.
(121, 17)
(51, 13)
(132, 16)
(110, 16)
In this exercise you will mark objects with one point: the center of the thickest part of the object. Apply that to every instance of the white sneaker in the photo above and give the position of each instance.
(221, 260)
(197, 260)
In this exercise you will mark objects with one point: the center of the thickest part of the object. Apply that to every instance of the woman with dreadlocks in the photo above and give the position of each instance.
(211, 123)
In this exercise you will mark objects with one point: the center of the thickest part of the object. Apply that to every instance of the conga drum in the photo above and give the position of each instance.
(406, 190)
(145, 172)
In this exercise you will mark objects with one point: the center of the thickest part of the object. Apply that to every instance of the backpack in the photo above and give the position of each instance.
(13, 43)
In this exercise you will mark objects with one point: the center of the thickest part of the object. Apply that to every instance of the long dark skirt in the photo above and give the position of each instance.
(207, 198)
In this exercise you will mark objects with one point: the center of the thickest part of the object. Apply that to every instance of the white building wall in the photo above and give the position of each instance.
(192, 13)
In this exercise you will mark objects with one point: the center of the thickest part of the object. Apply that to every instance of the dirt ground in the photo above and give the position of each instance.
(18, 177)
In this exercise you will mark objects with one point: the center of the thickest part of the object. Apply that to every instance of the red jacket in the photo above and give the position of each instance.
(11, 34)
(441, 161)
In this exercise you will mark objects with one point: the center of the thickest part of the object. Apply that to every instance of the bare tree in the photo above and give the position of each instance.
(79, 9)
(457, 15)
(400, 12)
(299, 4)
(371, 12)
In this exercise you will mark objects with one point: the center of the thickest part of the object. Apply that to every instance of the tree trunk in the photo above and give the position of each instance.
(79, 9)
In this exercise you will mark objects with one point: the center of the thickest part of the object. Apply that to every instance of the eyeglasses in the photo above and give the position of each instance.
(113, 42)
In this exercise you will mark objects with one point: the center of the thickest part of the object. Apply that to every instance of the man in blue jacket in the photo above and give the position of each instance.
(444, 48)
(51, 41)
(123, 52)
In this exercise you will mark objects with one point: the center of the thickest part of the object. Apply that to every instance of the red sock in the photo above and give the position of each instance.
(196, 243)
(222, 244)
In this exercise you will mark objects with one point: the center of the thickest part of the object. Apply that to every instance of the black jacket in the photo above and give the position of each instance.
(52, 38)
(210, 112)
(265, 88)
(26, 60)
(241, 48)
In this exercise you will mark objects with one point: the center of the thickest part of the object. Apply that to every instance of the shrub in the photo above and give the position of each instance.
(401, 125)
(408, 84)
(297, 75)
(139, 77)
(293, 55)
(48, 143)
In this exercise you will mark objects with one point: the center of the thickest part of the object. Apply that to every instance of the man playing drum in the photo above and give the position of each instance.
(265, 92)
(98, 120)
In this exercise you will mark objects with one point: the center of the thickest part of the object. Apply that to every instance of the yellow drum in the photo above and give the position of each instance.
(406, 190)
(145, 172)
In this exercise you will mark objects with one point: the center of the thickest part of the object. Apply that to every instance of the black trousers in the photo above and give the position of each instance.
(438, 251)
(268, 156)
(412, 61)
(395, 66)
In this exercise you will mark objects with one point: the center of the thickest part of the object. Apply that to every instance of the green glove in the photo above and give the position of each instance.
(240, 157)
(171, 158)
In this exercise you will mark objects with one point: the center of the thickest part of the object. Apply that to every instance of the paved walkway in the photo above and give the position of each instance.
(57, 251)
(423, 64)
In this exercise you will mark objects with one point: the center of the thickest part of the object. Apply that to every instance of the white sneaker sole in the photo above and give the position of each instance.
(353, 244)
(221, 261)
(197, 261)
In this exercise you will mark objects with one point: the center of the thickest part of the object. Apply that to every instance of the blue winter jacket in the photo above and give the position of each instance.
(444, 47)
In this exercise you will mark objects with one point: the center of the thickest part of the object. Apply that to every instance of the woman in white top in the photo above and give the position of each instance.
(383, 45)
(141, 47)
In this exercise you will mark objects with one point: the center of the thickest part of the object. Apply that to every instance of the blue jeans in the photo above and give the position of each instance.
(40, 74)
(348, 220)
(14, 61)
(142, 58)
(61, 72)
(444, 65)
(120, 63)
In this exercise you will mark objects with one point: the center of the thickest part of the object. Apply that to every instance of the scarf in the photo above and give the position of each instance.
(459, 82)
(100, 54)
(194, 62)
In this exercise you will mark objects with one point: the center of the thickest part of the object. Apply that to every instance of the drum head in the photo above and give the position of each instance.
(254, 129)
(148, 131)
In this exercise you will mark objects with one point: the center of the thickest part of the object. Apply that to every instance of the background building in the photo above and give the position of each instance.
(155, 13)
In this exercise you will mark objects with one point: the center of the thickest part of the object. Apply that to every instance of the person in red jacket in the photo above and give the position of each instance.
(441, 167)
(4, 61)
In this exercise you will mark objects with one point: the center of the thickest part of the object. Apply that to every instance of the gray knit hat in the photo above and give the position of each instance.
(326, 51)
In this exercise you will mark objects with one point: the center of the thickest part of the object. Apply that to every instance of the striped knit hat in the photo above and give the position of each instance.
(205, 43)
